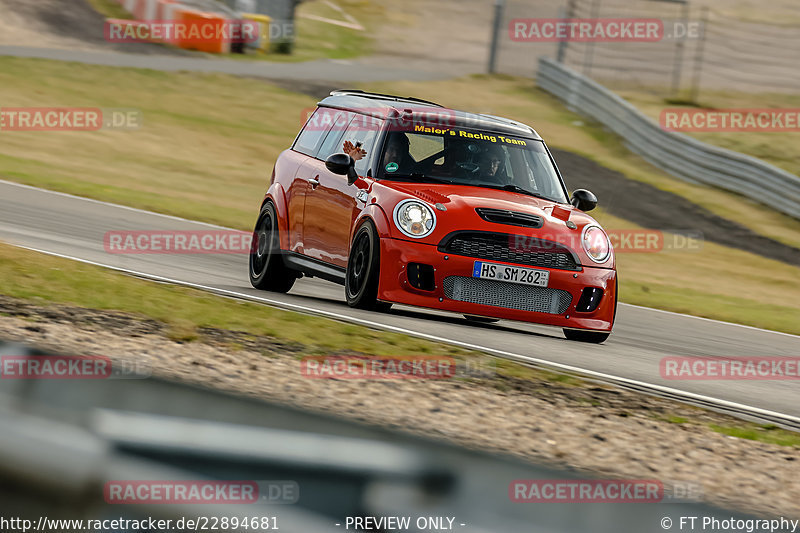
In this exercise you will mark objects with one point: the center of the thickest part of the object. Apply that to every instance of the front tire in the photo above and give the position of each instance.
(580, 335)
(363, 270)
(595, 337)
(267, 270)
(481, 319)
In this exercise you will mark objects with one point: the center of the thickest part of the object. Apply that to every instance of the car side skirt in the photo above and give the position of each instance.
(313, 267)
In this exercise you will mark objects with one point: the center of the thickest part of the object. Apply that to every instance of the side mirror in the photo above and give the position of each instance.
(343, 165)
(583, 200)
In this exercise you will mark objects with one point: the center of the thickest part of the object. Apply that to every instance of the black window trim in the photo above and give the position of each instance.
(327, 133)
(379, 130)
(322, 138)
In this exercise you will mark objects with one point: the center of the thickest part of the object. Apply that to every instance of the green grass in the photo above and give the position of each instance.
(209, 142)
(205, 151)
(60, 281)
(763, 433)
(110, 9)
(767, 433)
(514, 370)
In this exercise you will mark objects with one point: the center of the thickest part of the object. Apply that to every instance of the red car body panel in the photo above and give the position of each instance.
(395, 287)
(319, 212)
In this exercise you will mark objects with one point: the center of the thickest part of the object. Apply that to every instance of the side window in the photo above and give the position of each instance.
(314, 130)
(333, 141)
(364, 130)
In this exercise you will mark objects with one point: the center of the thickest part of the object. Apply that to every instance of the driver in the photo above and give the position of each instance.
(492, 165)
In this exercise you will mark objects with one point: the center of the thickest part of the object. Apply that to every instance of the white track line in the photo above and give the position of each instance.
(144, 211)
(501, 353)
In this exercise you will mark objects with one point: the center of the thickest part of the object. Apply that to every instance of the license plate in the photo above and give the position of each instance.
(511, 274)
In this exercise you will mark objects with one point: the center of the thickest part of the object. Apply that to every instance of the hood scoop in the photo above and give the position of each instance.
(429, 195)
(511, 218)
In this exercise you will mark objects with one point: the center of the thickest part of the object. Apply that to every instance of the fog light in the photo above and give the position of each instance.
(421, 276)
(590, 299)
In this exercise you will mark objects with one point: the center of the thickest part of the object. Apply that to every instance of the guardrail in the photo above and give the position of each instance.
(678, 154)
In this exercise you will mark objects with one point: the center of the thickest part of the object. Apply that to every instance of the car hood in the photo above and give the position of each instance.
(456, 211)
(460, 199)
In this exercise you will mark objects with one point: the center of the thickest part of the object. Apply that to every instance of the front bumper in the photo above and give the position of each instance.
(395, 287)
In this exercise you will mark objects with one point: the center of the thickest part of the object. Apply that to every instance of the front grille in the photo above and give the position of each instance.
(507, 295)
(512, 218)
(517, 249)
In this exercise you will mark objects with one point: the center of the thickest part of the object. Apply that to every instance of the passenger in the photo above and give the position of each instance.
(354, 150)
(397, 152)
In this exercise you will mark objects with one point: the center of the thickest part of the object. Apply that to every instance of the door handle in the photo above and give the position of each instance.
(314, 182)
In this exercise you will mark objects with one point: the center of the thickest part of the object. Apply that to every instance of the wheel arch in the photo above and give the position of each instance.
(375, 214)
(277, 196)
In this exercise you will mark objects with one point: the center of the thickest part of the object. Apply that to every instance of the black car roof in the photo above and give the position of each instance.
(386, 105)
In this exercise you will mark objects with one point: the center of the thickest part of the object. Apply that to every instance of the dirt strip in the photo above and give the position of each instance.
(597, 430)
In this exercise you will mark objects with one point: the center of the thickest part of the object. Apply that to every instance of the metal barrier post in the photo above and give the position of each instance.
(678, 65)
(499, 6)
(588, 56)
(698, 59)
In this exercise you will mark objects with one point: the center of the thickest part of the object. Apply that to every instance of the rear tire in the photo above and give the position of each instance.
(267, 270)
(580, 335)
(363, 270)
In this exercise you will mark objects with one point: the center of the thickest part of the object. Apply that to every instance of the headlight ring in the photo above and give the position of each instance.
(414, 218)
(596, 243)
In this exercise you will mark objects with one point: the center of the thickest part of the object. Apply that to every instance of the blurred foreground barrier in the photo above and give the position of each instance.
(678, 154)
(68, 448)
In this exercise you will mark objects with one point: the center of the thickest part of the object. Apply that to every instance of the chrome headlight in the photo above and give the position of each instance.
(414, 219)
(596, 244)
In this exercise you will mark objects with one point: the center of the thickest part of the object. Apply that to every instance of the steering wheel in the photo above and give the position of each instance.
(470, 167)
(494, 180)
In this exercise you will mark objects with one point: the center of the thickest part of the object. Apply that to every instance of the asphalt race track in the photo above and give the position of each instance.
(74, 227)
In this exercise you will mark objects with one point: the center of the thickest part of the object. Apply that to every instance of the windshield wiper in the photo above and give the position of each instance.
(516, 188)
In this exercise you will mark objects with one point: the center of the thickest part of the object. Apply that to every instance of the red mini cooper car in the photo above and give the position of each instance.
(404, 201)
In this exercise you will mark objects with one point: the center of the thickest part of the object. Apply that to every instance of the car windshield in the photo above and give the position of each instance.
(463, 157)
